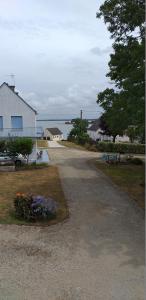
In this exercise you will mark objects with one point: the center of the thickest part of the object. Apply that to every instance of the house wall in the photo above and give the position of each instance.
(96, 135)
(122, 139)
(48, 135)
(12, 105)
(58, 137)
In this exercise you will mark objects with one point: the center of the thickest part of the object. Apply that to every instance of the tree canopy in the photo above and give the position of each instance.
(79, 131)
(123, 17)
(124, 102)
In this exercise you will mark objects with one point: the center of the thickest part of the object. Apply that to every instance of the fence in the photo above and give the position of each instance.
(33, 132)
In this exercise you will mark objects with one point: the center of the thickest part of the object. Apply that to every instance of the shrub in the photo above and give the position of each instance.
(82, 139)
(22, 146)
(34, 208)
(2, 146)
(120, 147)
(136, 161)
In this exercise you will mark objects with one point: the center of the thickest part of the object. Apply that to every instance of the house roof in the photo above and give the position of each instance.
(95, 126)
(13, 91)
(54, 131)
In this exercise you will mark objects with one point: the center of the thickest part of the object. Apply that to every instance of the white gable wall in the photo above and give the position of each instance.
(12, 105)
(48, 135)
(96, 135)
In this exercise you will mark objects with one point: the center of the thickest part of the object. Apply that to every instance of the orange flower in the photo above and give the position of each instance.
(18, 194)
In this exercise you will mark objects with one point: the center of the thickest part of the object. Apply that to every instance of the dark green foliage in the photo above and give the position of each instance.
(22, 206)
(135, 161)
(125, 20)
(120, 147)
(22, 146)
(122, 17)
(82, 139)
(115, 115)
(132, 133)
(2, 145)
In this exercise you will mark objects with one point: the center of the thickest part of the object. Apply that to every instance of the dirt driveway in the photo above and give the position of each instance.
(97, 254)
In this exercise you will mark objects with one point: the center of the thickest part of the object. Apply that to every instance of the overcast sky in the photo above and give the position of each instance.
(58, 51)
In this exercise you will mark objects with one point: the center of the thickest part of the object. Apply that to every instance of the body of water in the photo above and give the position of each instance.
(65, 128)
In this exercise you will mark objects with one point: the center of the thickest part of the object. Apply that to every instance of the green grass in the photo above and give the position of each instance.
(130, 178)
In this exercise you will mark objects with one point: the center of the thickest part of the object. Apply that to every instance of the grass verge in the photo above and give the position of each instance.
(130, 178)
(44, 182)
(42, 144)
(72, 145)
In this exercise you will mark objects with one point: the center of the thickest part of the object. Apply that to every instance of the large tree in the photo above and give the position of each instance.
(115, 116)
(125, 20)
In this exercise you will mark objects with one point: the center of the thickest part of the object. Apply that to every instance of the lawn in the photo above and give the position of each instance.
(72, 145)
(130, 178)
(42, 144)
(44, 182)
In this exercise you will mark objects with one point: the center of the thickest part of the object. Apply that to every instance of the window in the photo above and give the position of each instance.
(1, 123)
(16, 122)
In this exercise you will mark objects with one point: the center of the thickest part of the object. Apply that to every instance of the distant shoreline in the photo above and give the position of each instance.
(60, 120)
(53, 120)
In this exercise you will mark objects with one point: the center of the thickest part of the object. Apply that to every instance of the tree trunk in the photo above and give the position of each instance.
(114, 138)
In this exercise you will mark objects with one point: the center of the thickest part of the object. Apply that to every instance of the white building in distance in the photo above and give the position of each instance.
(95, 133)
(53, 134)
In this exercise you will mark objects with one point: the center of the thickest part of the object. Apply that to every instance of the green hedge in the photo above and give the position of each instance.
(120, 147)
(2, 145)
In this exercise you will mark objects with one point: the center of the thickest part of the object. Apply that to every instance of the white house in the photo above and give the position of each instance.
(17, 117)
(53, 134)
(95, 133)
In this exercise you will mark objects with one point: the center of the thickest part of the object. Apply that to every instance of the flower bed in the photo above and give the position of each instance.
(34, 208)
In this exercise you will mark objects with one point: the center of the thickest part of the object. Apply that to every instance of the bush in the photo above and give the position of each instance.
(82, 139)
(2, 146)
(136, 161)
(34, 208)
(22, 146)
(120, 147)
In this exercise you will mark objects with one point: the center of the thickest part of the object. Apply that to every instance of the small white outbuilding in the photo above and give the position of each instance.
(53, 134)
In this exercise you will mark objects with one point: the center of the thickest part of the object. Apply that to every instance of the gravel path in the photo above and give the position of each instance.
(97, 254)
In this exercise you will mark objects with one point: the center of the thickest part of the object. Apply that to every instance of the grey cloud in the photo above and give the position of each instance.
(99, 51)
(55, 49)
